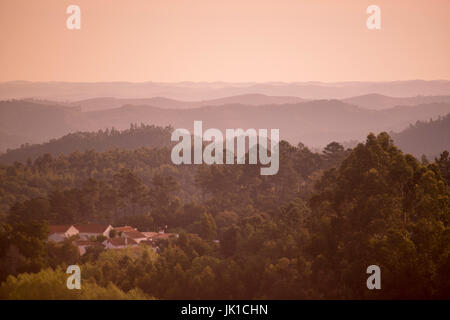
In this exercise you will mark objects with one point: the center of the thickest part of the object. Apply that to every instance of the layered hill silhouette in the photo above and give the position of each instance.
(7, 140)
(379, 102)
(314, 123)
(102, 140)
(198, 91)
(31, 122)
(427, 138)
(97, 104)
(370, 101)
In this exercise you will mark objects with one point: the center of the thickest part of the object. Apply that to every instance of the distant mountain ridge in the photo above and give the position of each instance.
(314, 123)
(198, 91)
(379, 102)
(97, 104)
(37, 122)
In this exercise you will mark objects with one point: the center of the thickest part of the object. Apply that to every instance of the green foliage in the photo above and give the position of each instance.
(308, 232)
(208, 227)
(102, 140)
(62, 254)
(50, 284)
(443, 162)
(382, 208)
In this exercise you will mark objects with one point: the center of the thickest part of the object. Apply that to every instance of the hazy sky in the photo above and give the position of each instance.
(224, 40)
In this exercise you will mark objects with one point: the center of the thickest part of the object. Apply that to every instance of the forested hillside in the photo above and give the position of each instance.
(21, 181)
(308, 232)
(314, 123)
(102, 140)
(427, 138)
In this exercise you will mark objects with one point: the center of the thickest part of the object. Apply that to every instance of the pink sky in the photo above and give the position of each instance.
(224, 40)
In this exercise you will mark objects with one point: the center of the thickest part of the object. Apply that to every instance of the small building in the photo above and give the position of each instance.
(125, 228)
(86, 231)
(153, 238)
(165, 236)
(119, 243)
(161, 235)
(150, 235)
(135, 235)
(120, 230)
(60, 232)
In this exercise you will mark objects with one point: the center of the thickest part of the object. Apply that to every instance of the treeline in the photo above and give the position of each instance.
(34, 179)
(425, 138)
(55, 176)
(308, 232)
(109, 139)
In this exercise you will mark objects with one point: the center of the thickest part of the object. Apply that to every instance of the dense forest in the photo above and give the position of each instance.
(308, 232)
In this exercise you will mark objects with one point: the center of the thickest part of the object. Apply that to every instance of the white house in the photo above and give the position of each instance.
(60, 232)
(86, 231)
(135, 235)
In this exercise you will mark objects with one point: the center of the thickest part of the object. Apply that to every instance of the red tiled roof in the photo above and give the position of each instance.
(134, 234)
(125, 229)
(59, 228)
(150, 234)
(91, 228)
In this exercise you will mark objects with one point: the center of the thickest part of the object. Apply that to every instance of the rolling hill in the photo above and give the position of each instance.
(314, 123)
(198, 91)
(428, 138)
(379, 102)
(97, 104)
(31, 122)
(102, 140)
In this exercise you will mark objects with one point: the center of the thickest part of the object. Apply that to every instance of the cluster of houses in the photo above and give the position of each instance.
(86, 235)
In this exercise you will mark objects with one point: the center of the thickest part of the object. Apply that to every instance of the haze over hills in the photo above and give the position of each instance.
(96, 104)
(428, 138)
(314, 123)
(193, 91)
(8, 141)
(33, 122)
(370, 101)
(356, 108)
(379, 102)
(102, 140)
